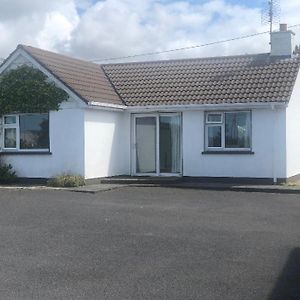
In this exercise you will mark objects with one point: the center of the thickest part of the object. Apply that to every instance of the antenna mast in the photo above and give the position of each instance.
(271, 14)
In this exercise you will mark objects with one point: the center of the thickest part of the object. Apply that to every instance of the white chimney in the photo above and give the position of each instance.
(282, 42)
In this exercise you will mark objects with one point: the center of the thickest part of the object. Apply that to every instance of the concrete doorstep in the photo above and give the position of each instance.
(112, 185)
(281, 189)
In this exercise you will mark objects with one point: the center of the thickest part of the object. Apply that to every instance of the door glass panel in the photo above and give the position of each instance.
(169, 144)
(146, 145)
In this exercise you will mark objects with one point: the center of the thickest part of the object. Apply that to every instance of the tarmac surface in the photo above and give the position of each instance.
(149, 243)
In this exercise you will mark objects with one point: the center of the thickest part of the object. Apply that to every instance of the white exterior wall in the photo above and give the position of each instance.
(262, 164)
(66, 134)
(66, 145)
(107, 143)
(282, 43)
(293, 132)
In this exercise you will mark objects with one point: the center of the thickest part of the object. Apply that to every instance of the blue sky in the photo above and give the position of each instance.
(84, 29)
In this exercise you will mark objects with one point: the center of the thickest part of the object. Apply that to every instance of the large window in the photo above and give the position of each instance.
(228, 130)
(26, 132)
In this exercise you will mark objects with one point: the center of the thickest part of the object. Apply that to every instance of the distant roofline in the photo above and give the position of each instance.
(187, 59)
(57, 53)
(176, 60)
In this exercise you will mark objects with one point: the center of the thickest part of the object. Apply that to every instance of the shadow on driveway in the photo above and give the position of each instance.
(287, 286)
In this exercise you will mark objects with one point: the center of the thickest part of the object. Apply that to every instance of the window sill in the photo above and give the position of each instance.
(7, 152)
(227, 152)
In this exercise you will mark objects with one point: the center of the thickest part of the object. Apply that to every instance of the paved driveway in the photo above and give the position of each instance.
(149, 243)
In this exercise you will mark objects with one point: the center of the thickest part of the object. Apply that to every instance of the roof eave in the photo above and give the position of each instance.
(225, 106)
(106, 106)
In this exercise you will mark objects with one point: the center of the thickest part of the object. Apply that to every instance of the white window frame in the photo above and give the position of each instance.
(17, 127)
(214, 113)
(157, 159)
(223, 133)
(206, 135)
(11, 126)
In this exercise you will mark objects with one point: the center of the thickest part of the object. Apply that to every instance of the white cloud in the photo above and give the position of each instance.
(112, 28)
(45, 24)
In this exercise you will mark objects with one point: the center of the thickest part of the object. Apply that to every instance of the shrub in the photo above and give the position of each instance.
(6, 173)
(66, 180)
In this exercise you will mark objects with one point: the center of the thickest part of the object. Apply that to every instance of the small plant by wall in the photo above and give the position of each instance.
(7, 174)
(66, 180)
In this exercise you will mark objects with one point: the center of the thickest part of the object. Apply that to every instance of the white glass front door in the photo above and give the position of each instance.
(157, 144)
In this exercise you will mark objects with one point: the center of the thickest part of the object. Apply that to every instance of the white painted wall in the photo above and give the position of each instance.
(66, 144)
(282, 43)
(257, 165)
(96, 143)
(66, 131)
(293, 132)
(107, 143)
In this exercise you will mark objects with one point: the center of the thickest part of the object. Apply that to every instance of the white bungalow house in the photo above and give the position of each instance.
(235, 116)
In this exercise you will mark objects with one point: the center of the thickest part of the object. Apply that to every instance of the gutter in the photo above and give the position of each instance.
(274, 162)
(225, 106)
(182, 107)
(106, 106)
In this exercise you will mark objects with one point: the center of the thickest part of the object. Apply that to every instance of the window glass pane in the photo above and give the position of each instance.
(237, 130)
(10, 120)
(169, 144)
(10, 140)
(214, 136)
(34, 131)
(214, 118)
(145, 144)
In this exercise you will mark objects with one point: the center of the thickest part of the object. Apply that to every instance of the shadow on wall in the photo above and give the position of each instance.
(108, 137)
(120, 151)
(287, 286)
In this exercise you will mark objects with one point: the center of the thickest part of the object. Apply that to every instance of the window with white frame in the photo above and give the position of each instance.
(26, 132)
(228, 130)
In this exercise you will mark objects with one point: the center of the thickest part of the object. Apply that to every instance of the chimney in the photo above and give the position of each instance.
(282, 42)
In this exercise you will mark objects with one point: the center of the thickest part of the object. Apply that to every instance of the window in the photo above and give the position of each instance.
(228, 130)
(26, 132)
(10, 132)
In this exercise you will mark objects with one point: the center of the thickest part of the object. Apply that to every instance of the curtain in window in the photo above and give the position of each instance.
(175, 137)
(237, 128)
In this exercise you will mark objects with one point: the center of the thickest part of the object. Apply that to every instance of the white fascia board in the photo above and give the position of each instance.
(91, 104)
(106, 106)
(37, 65)
(228, 106)
(9, 60)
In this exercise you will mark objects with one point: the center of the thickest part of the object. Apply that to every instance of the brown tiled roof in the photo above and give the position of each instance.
(217, 80)
(86, 79)
(232, 79)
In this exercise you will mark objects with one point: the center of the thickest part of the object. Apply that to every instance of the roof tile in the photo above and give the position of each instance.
(248, 78)
(218, 80)
(86, 79)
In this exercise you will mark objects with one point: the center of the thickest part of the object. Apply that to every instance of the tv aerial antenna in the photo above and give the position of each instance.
(271, 14)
